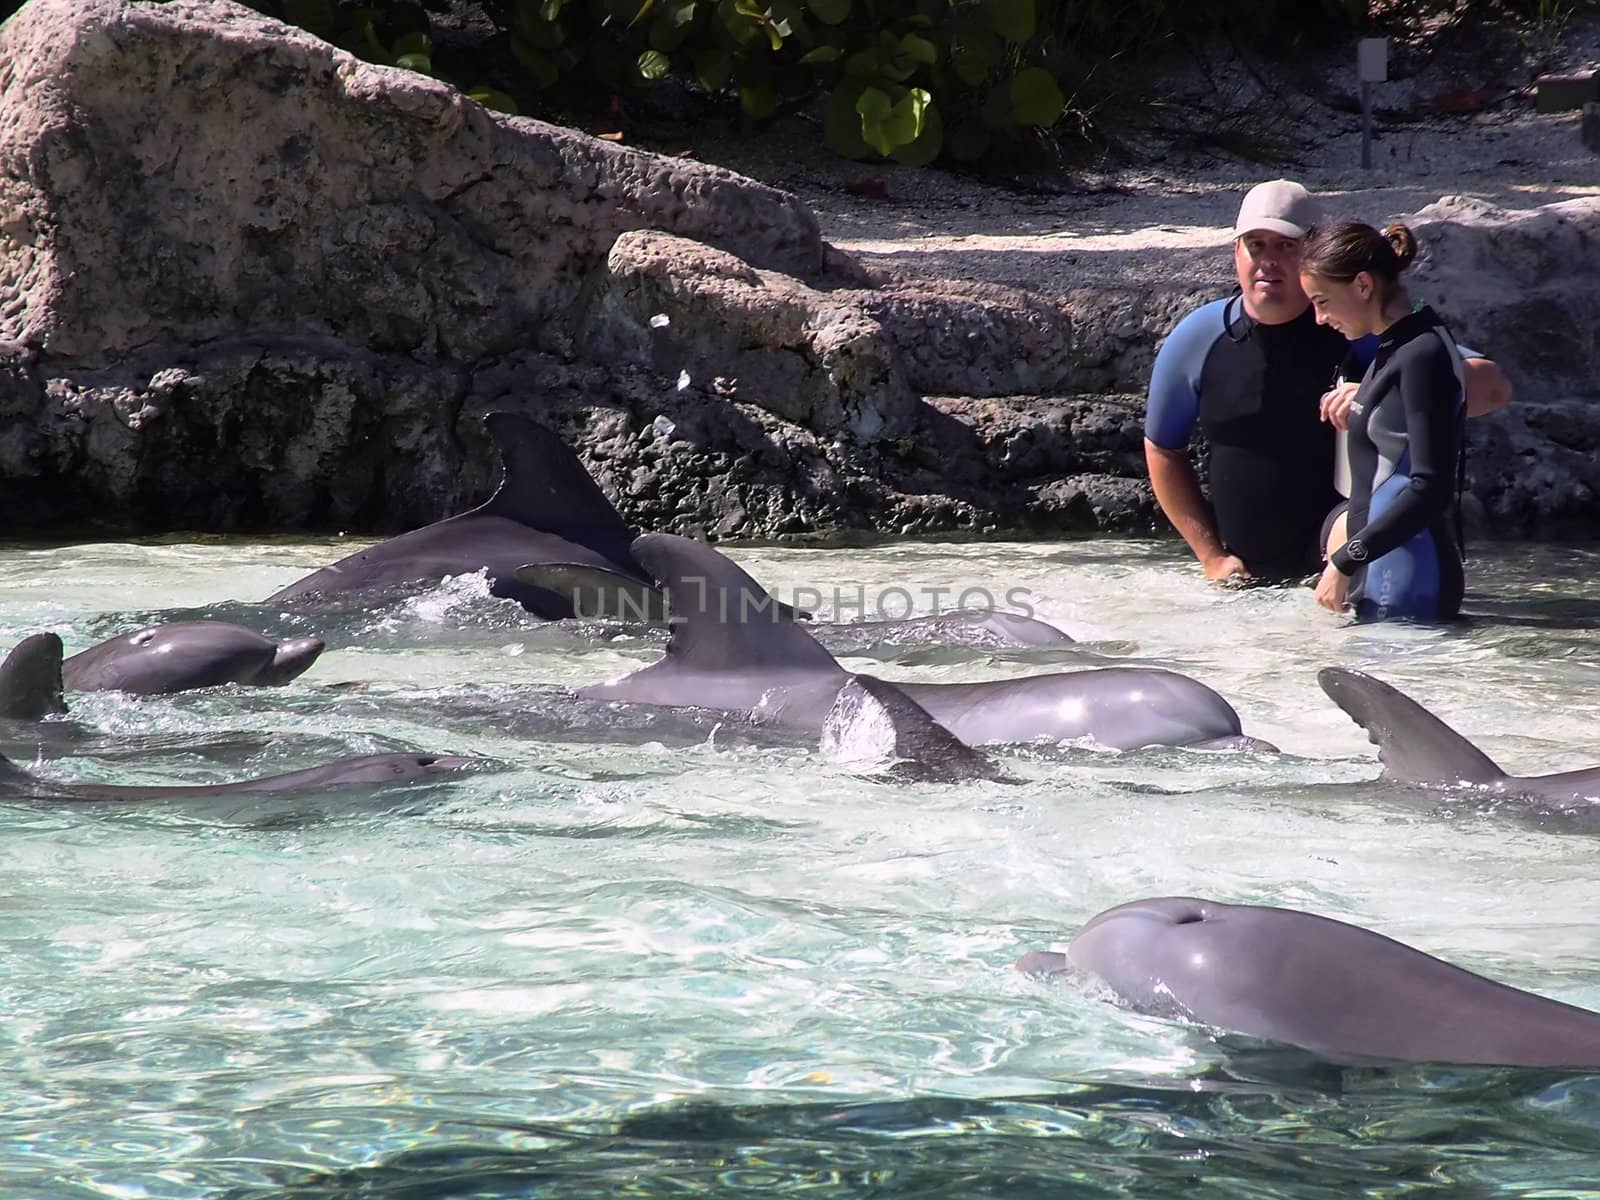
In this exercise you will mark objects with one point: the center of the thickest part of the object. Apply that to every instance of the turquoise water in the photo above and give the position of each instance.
(660, 957)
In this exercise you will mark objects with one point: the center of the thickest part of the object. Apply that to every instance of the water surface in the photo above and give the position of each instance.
(659, 956)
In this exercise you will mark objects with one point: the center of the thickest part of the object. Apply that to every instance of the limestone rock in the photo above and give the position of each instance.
(812, 357)
(185, 171)
(1519, 286)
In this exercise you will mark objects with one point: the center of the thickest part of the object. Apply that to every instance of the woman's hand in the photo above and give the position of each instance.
(1336, 404)
(1332, 589)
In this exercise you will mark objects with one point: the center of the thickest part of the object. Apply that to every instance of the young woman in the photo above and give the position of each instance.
(1400, 558)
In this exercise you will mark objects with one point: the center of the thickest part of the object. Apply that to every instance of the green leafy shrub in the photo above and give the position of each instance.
(912, 80)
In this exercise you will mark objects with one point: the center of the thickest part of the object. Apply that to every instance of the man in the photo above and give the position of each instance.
(1260, 377)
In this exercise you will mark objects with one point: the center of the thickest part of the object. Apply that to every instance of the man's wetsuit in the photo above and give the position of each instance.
(1406, 428)
(1255, 390)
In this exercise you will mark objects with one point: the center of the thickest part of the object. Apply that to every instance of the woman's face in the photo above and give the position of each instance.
(1349, 306)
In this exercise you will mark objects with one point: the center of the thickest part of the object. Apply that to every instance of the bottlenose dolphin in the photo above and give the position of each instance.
(30, 679)
(731, 650)
(601, 594)
(366, 771)
(546, 509)
(1418, 749)
(180, 655)
(1337, 990)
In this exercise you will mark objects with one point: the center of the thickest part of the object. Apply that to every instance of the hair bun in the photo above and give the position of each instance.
(1403, 242)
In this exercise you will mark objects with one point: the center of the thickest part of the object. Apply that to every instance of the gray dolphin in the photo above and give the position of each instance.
(546, 509)
(1338, 990)
(731, 650)
(1418, 749)
(180, 655)
(602, 594)
(368, 771)
(30, 679)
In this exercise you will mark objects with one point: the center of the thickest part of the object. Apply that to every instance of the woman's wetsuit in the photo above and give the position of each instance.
(1406, 428)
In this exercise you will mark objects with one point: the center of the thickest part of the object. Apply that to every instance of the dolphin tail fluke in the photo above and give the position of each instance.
(30, 679)
(546, 487)
(1414, 745)
(874, 720)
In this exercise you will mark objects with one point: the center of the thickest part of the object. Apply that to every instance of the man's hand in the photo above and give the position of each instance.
(1225, 568)
(1333, 589)
(1336, 403)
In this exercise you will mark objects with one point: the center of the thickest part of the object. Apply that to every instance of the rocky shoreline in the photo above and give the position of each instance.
(250, 284)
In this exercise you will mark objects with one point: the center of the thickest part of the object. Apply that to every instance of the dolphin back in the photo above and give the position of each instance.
(1414, 746)
(361, 773)
(30, 679)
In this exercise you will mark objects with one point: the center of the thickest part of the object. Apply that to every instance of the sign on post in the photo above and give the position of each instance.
(1372, 66)
(1372, 60)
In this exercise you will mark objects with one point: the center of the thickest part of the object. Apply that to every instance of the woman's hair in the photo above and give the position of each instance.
(1341, 252)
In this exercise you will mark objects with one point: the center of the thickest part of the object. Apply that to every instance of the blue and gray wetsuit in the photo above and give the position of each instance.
(1406, 429)
(1254, 390)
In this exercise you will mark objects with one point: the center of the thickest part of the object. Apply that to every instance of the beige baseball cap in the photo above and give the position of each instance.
(1279, 206)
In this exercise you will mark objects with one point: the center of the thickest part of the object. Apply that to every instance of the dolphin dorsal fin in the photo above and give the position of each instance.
(30, 679)
(873, 719)
(544, 486)
(1414, 745)
(721, 619)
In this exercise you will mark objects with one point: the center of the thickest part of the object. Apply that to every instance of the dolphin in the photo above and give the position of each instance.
(1419, 750)
(546, 509)
(30, 679)
(368, 771)
(1337, 990)
(180, 655)
(598, 593)
(731, 650)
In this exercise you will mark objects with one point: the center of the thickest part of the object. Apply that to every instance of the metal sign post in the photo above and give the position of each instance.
(1372, 66)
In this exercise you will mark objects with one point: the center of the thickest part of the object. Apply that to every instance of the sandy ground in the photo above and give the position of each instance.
(1166, 217)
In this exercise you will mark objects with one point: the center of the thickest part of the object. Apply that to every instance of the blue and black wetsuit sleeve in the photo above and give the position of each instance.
(1431, 394)
(1173, 406)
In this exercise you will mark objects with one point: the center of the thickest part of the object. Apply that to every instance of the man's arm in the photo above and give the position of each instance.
(1171, 413)
(1178, 493)
(1487, 387)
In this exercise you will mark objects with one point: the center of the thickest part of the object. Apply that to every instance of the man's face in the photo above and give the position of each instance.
(1268, 266)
